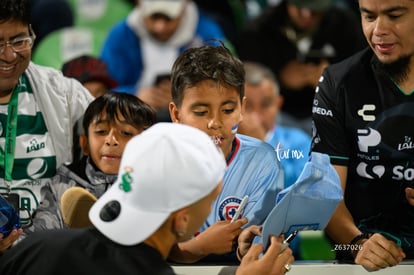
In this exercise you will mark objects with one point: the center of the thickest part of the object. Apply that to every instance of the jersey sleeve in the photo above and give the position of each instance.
(329, 125)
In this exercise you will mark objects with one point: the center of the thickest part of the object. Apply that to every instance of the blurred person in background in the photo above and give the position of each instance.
(92, 72)
(141, 49)
(297, 39)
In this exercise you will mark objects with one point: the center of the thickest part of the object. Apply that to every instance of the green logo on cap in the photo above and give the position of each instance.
(126, 179)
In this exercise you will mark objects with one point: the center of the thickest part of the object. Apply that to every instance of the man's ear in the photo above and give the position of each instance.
(174, 112)
(83, 142)
(181, 222)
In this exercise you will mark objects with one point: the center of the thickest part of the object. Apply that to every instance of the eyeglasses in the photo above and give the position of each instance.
(18, 44)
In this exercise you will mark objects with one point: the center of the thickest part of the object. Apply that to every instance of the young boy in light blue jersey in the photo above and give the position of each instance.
(208, 93)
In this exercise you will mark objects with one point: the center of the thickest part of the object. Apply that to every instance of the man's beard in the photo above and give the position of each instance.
(397, 70)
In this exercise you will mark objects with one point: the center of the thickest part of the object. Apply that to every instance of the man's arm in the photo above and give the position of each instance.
(219, 239)
(341, 227)
(373, 253)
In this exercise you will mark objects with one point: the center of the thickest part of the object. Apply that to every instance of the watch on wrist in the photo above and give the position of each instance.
(354, 243)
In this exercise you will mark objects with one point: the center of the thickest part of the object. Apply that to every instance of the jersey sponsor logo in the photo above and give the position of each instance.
(35, 146)
(368, 138)
(374, 172)
(322, 111)
(401, 173)
(37, 168)
(364, 112)
(228, 208)
(406, 145)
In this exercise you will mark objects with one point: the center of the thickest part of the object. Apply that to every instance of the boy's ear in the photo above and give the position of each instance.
(174, 112)
(83, 142)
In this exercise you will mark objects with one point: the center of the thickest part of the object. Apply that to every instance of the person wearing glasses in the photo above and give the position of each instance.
(38, 109)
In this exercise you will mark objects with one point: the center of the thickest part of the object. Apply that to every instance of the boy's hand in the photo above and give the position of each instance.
(246, 238)
(220, 237)
(273, 262)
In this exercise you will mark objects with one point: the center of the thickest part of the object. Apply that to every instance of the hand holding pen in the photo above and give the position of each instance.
(288, 240)
(240, 210)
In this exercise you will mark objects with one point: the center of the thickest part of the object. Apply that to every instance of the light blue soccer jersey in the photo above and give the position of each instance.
(253, 170)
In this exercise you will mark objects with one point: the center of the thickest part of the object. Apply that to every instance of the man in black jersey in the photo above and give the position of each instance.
(363, 112)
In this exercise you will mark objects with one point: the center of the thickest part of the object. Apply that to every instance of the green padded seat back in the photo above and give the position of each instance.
(99, 14)
(64, 44)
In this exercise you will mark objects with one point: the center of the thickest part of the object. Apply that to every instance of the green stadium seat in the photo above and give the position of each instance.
(64, 44)
(99, 14)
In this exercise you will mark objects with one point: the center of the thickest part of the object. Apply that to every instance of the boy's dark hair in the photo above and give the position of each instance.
(135, 111)
(215, 63)
(16, 10)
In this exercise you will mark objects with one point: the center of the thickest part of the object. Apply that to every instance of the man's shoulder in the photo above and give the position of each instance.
(40, 73)
(42, 69)
(44, 76)
(357, 66)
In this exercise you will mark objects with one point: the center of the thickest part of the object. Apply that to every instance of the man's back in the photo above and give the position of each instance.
(82, 251)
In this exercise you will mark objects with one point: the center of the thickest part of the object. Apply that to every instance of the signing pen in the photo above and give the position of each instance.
(239, 210)
(287, 241)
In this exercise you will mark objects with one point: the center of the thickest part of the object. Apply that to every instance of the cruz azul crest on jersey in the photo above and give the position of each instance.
(228, 208)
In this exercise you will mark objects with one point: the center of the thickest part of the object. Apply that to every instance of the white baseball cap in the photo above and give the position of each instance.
(171, 8)
(167, 167)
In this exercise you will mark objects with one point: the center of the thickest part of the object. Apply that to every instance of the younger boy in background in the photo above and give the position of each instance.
(109, 122)
(93, 74)
(208, 93)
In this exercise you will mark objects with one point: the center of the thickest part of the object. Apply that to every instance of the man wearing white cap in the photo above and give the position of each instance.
(168, 178)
